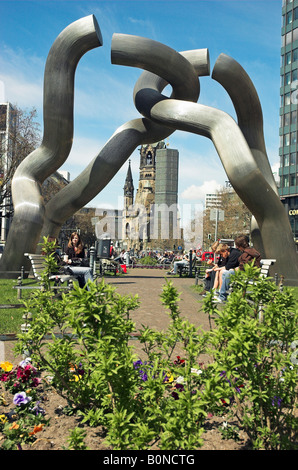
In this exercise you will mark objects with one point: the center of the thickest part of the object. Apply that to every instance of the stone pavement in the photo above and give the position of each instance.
(148, 284)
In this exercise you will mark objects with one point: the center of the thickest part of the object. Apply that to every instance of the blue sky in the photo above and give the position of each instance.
(247, 30)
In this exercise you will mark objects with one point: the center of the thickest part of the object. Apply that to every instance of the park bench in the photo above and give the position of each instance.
(38, 266)
(103, 265)
(265, 266)
(196, 268)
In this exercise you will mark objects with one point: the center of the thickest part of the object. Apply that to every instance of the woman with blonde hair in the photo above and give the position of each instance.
(214, 273)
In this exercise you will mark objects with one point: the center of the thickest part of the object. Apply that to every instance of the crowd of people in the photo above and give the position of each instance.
(218, 273)
(229, 260)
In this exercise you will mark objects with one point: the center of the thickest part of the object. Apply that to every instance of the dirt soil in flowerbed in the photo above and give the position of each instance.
(54, 436)
(152, 313)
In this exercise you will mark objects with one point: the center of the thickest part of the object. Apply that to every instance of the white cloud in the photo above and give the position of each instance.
(22, 92)
(275, 170)
(198, 193)
(22, 79)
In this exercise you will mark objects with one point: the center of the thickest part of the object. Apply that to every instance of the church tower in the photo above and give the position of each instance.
(146, 191)
(128, 189)
(157, 189)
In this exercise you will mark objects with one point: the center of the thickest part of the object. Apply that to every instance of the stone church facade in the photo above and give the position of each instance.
(151, 216)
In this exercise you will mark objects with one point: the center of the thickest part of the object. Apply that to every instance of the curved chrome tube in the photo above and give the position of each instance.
(231, 75)
(244, 174)
(65, 53)
(133, 133)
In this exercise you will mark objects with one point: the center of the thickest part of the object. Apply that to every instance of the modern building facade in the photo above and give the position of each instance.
(288, 150)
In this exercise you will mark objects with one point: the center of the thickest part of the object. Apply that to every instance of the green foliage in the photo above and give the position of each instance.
(148, 261)
(251, 349)
(163, 399)
(76, 440)
(94, 367)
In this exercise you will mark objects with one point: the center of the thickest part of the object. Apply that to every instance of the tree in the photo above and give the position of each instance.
(237, 217)
(19, 136)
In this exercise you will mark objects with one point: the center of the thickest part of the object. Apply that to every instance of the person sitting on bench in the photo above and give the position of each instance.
(183, 262)
(74, 258)
(239, 256)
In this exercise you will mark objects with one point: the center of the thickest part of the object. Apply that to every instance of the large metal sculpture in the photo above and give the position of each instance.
(241, 146)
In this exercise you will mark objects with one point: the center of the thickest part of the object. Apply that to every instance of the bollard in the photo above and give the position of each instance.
(24, 329)
(92, 260)
(190, 263)
(281, 283)
(19, 290)
(196, 277)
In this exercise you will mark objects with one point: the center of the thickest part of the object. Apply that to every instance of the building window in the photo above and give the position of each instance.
(289, 38)
(292, 180)
(295, 13)
(286, 160)
(293, 158)
(293, 117)
(287, 99)
(289, 17)
(288, 58)
(293, 138)
(287, 119)
(295, 34)
(287, 139)
(288, 78)
(295, 54)
(286, 181)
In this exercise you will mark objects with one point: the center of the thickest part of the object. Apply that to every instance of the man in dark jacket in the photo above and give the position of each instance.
(240, 255)
(248, 254)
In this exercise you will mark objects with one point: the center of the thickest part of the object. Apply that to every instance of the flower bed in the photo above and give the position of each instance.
(40, 419)
(158, 402)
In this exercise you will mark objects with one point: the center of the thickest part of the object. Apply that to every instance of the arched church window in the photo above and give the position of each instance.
(149, 158)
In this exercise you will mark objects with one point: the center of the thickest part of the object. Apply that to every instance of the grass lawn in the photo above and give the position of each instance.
(11, 318)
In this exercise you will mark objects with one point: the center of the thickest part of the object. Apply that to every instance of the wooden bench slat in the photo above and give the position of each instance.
(38, 266)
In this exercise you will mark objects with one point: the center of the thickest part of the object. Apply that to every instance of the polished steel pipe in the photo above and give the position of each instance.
(65, 53)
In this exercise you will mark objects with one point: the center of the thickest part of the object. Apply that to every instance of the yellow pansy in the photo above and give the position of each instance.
(3, 419)
(169, 377)
(6, 366)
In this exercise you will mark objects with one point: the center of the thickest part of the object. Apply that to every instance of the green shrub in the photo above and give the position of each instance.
(148, 261)
(163, 399)
(252, 351)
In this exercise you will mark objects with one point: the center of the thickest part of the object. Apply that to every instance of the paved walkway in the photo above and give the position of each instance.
(148, 284)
